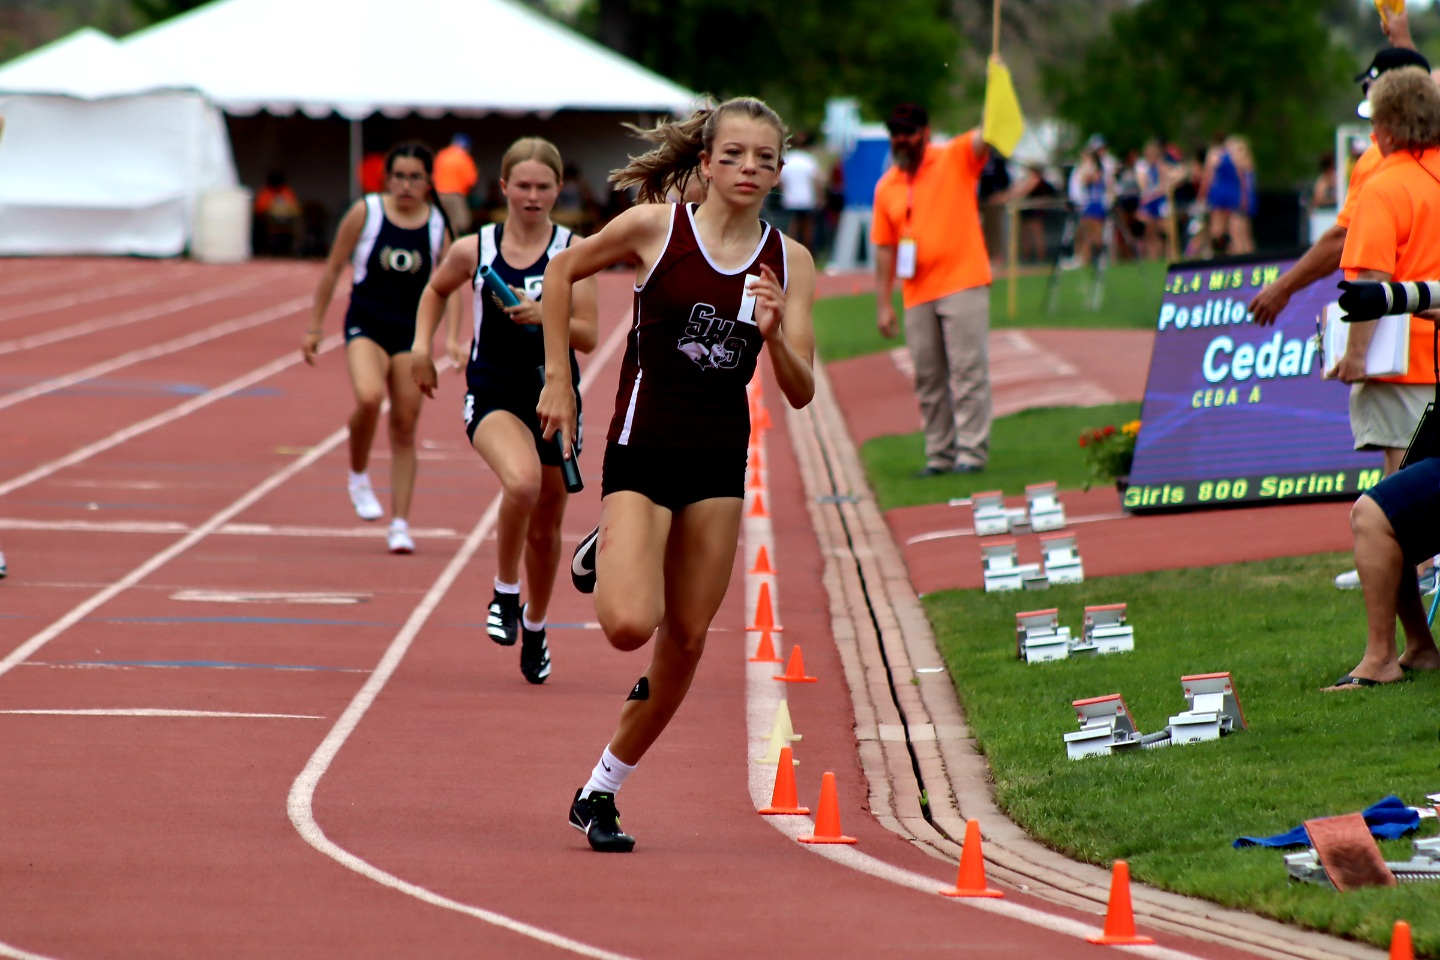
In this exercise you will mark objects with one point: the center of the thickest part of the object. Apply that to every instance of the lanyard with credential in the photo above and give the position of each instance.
(905, 253)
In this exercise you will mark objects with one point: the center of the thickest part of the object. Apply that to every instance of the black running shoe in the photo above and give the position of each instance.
(582, 565)
(596, 817)
(503, 622)
(534, 655)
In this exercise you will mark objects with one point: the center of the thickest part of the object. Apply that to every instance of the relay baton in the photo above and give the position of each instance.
(569, 466)
(499, 287)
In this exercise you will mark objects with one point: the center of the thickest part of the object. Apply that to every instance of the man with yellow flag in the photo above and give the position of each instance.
(926, 232)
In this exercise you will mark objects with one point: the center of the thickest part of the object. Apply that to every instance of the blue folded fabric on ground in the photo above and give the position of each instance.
(1388, 819)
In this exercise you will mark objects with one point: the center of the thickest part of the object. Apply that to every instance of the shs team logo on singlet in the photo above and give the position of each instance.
(401, 261)
(708, 340)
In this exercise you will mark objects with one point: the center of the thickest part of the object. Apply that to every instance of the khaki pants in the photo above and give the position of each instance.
(948, 341)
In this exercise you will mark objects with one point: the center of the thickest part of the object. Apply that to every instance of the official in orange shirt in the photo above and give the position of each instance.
(926, 231)
(455, 177)
(1395, 235)
(1323, 257)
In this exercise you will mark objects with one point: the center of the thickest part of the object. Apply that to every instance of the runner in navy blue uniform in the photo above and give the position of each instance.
(392, 241)
(507, 357)
(714, 285)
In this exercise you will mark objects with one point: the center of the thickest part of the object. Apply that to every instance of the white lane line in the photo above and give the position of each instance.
(148, 312)
(230, 529)
(84, 609)
(160, 419)
(762, 700)
(300, 804)
(214, 332)
(75, 299)
(269, 596)
(15, 953)
(155, 712)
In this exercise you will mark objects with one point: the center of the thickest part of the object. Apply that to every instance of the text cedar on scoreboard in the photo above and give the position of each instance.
(1236, 412)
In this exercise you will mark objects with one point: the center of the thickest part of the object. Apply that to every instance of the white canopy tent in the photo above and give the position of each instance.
(103, 153)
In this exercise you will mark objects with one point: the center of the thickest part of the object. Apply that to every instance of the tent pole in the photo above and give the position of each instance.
(356, 148)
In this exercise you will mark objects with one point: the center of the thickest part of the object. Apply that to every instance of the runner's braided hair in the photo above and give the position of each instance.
(675, 159)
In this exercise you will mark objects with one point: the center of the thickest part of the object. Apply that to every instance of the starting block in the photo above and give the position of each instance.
(1046, 510)
(1039, 636)
(1105, 631)
(1310, 866)
(991, 517)
(1213, 709)
(1003, 569)
(1105, 723)
(1062, 559)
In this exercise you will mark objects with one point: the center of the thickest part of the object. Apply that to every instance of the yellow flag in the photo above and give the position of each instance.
(1003, 122)
(1387, 7)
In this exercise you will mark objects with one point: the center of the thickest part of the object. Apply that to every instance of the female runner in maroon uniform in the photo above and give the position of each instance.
(714, 285)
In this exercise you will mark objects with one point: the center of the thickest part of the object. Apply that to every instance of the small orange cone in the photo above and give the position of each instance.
(971, 880)
(1119, 920)
(827, 820)
(761, 420)
(1400, 946)
(764, 615)
(795, 669)
(757, 506)
(765, 650)
(756, 461)
(783, 800)
(753, 480)
(762, 561)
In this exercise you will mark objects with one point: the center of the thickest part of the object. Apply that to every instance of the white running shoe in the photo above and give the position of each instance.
(2, 566)
(400, 541)
(363, 497)
(1349, 580)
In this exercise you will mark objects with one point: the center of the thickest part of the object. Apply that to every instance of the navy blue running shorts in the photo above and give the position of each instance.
(392, 338)
(1411, 502)
(674, 479)
(482, 401)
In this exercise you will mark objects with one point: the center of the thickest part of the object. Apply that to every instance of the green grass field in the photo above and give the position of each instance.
(1026, 447)
(845, 326)
(1282, 631)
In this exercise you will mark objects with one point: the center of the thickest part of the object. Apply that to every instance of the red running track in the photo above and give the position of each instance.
(232, 725)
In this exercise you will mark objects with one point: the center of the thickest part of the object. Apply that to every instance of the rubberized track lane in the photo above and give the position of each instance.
(169, 835)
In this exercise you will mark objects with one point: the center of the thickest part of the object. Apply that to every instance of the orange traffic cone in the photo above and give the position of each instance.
(753, 480)
(827, 820)
(795, 669)
(1400, 946)
(1119, 920)
(757, 506)
(756, 461)
(762, 562)
(761, 418)
(971, 881)
(783, 800)
(765, 650)
(764, 615)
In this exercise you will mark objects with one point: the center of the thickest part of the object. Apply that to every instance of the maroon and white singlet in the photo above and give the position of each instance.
(694, 346)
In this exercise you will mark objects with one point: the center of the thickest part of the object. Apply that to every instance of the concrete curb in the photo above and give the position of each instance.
(908, 716)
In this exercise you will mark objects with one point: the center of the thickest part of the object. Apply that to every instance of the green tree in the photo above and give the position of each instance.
(795, 54)
(1272, 72)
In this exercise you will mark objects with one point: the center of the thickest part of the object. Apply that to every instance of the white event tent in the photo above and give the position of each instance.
(103, 153)
(309, 84)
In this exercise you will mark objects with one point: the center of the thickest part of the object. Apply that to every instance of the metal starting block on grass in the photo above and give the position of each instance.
(1046, 510)
(1003, 569)
(1309, 866)
(991, 517)
(1214, 709)
(1039, 636)
(1105, 725)
(1062, 559)
(1105, 631)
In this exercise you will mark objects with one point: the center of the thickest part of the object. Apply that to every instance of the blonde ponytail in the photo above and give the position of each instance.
(675, 159)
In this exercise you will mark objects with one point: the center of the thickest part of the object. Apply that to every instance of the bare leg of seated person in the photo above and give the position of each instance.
(1390, 589)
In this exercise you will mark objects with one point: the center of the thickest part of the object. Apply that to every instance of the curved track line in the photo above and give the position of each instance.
(124, 319)
(158, 350)
(160, 419)
(301, 802)
(762, 701)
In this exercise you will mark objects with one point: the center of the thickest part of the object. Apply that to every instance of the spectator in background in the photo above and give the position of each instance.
(1222, 190)
(1033, 187)
(1242, 221)
(277, 217)
(1325, 192)
(1155, 178)
(994, 182)
(926, 232)
(1090, 192)
(800, 190)
(455, 177)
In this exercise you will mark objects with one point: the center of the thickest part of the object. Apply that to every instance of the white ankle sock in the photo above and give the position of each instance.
(361, 479)
(502, 587)
(608, 776)
(399, 523)
(534, 626)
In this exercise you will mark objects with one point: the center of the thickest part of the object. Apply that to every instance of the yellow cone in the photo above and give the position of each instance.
(782, 722)
(777, 743)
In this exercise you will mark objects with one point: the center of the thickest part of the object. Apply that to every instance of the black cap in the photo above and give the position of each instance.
(907, 118)
(1388, 59)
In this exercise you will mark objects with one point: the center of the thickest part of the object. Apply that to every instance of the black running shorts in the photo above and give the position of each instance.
(674, 479)
(482, 401)
(1411, 502)
(392, 338)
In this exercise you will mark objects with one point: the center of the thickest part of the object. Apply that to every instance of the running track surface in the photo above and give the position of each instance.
(234, 726)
